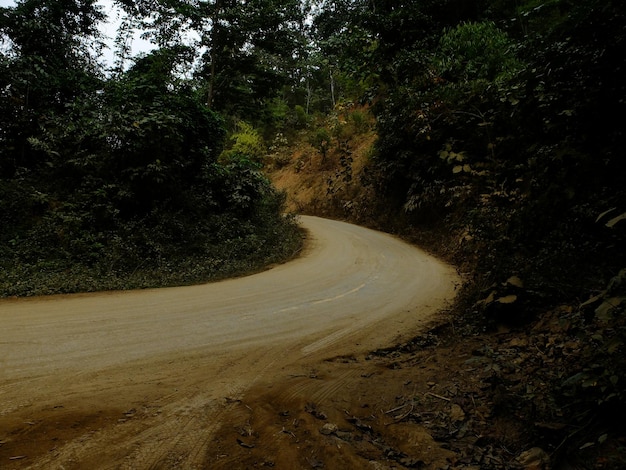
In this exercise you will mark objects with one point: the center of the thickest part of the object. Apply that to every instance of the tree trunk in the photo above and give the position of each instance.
(212, 79)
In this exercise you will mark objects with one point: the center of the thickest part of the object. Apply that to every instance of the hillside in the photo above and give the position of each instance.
(330, 179)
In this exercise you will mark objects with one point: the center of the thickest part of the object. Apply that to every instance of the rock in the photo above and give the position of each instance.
(328, 429)
(534, 458)
(312, 409)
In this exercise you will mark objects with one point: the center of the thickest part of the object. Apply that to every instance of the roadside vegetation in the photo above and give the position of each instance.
(112, 179)
(488, 132)
(495, 145)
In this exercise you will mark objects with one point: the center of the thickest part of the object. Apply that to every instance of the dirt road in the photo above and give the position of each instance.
(147, 379)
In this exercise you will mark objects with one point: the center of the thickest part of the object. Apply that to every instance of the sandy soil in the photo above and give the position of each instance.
(243, 373)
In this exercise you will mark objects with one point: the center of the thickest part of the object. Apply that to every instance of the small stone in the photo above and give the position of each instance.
(328, 429)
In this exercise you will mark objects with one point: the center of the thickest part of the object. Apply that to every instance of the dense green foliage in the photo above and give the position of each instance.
(499, 131)
(115, 182)
(499, 119)
(495, 119)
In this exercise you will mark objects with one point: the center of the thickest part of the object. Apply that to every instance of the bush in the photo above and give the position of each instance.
(302, 118)
(128, 193)
(246, 140)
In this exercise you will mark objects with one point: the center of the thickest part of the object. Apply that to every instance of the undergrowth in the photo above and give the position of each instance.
(254, 249)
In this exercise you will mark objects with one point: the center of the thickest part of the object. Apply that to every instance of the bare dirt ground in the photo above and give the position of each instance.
(278, 369)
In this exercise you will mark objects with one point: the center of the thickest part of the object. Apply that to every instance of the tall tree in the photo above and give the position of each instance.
(47, 65)
(247, 48)
(251, 48)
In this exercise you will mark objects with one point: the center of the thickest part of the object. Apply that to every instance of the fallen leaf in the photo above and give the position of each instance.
(509, 299)
(611, 223)
(515, 282)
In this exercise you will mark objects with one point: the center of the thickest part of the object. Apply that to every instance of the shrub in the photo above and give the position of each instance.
(246, 140)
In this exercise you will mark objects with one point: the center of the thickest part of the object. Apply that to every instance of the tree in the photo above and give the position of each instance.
(251, 49)
(494, 121)
(48, 64)
(247, 49)
(111, 175)
(477, 51)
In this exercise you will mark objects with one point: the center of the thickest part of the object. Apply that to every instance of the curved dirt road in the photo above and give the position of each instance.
(144, 379)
